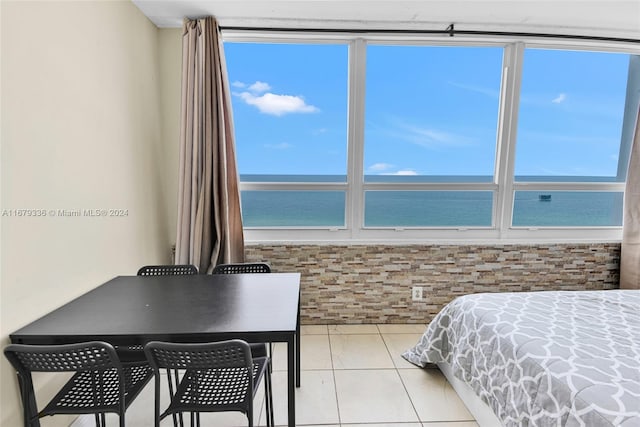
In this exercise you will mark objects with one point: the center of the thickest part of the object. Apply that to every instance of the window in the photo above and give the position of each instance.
(571, 129)
(345, 138)
(571, 114)
(567, 208)
(290, 116)
(270, 208)
(431, 112)
(428, 208)
(430, 117)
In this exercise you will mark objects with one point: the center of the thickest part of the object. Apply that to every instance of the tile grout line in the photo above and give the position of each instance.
(401, 380)
(333, 374)
(395, 367)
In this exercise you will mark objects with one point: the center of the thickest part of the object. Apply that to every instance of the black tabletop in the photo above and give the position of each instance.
(136, 309)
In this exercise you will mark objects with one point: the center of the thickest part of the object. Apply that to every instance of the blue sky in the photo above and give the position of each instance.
(571, 113)
(429, 110)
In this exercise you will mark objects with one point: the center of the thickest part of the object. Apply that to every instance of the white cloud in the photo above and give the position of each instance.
(431, 137)
(379, 167)
(491, 93)
(258, 94)
(386, 169)
(259, 87)
(559, 99)
(407, 172)
(277, 105)
(280, 146)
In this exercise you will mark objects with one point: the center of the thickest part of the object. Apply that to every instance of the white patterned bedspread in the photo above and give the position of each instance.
(544, 358)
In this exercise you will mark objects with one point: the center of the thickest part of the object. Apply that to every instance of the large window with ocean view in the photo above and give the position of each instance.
(290, 114)
(348, 136)
(433, 123)
(574, 129)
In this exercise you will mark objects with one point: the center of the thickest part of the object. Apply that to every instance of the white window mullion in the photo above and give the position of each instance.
(355, 154)
(507, 132)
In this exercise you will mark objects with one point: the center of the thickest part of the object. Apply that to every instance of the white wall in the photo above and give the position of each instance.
(170, 46)
(81, 129)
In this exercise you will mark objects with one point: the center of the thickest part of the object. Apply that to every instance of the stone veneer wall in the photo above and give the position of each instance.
(372, 283)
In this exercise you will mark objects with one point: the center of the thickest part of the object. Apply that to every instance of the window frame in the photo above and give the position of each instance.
(503, 186)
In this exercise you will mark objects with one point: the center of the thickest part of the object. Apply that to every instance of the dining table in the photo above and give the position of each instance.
(133, 310)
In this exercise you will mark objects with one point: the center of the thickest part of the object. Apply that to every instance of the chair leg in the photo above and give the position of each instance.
(269, 396)
(173, 379)
(194, 418)
(156, 403)
(29, 406)
(178, 420)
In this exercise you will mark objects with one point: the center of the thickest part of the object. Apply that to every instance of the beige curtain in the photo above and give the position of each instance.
(209, 218)
(630, 256)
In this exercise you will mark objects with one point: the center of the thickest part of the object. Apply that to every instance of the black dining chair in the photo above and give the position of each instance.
(167, 270)
(239, 268)
(100, 384)
(210, 377)
(135, 353)
(257, 349)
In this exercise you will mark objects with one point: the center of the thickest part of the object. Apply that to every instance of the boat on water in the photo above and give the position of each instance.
(544, 197)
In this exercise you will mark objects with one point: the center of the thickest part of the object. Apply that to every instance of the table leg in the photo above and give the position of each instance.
(291, 381)
(298, 347)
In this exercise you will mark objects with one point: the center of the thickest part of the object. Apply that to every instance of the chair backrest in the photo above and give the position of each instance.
(215, 355)
(168, 270)
(88, 356)
(248, 267)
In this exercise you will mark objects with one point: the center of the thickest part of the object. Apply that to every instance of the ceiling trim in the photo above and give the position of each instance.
(618, 19)
(450, 31)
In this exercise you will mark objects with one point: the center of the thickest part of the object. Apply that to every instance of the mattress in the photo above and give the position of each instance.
(568, 358)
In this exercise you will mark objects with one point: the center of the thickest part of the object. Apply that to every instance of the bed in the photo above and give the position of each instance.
(566, 358)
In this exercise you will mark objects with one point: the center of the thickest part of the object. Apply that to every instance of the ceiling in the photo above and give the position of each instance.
(608, 18)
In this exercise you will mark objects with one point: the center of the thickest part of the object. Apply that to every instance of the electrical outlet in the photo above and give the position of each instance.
(416, 293)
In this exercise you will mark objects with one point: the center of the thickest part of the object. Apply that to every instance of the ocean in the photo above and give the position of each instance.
(428, 208)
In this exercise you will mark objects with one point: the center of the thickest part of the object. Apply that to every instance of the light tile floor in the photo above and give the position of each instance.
(352, 376)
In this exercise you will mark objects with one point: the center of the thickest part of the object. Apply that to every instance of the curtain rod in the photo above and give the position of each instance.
(450, 30)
